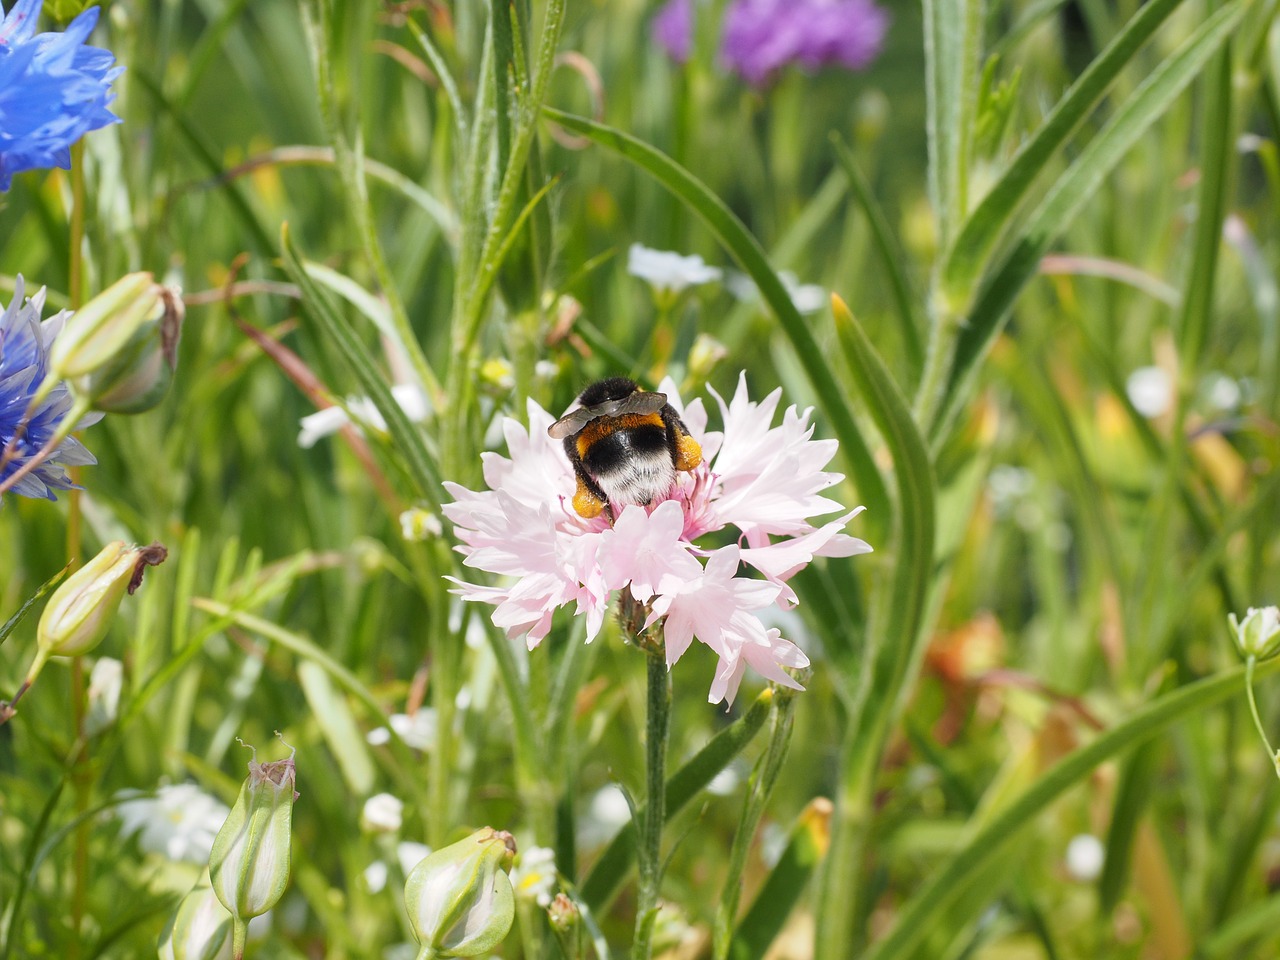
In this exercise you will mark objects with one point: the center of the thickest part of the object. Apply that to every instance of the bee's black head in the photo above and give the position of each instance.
(613, 388)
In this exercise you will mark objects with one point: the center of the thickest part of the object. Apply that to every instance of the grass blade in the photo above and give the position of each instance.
(922, 912)
(407, 438)
(992, 215)
(952, 41)
(891, 257)
(1073, 190)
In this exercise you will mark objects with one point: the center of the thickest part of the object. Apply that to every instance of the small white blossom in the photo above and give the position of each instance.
(606, 814)
(410, 854)
(413, 401)
(1085, 857)
(375, 876)
(105, 680)
(669, 272)
(1150, 391)
(534, 876)
(382, 813)
(805, 297)
(417, 731)
(180, 821)
(417, 524)
(1222, 391)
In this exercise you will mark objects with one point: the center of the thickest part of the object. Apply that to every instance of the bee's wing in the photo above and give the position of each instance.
(570, 423)
(644, 403)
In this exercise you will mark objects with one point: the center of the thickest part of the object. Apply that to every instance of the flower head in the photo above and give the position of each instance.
(24, 362)
(763, 36)
(668, 272)
(53, 90)
(758, 487)
(672, 29)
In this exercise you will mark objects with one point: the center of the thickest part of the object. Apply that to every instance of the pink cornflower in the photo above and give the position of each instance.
(758, 482)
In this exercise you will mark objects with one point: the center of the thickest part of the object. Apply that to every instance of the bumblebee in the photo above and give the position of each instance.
(625, 444)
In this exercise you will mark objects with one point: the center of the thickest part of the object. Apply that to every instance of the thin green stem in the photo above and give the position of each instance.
(239, 935)
(1249, 665)
(649, 853)
(81, 776)
(763, 779)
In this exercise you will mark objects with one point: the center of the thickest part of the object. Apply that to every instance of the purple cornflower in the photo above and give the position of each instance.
(760, 37)
(53, 90)
(672, 29)
(24, 362)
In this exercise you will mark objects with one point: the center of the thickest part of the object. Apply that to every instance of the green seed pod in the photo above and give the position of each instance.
(98, 331)
(138, 377)
(459, 898)
(200, 928)
(249, 865)
(82, 608)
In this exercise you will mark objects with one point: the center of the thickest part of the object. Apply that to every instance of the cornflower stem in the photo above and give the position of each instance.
(649, 850)
(1249, 665)
(81, 776)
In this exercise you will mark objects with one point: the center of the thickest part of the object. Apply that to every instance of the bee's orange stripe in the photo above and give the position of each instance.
(601, 427)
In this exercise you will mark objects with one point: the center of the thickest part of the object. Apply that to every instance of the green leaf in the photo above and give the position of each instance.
(602, 883)
(913, 476)
(968, 254)
(1217, 146)
(341, 733)
(896, 637)
(746, 250)
(891, 256)
(952, 45)
(925, 910)
(1137, 779)
(1073, 190)
(407, 437)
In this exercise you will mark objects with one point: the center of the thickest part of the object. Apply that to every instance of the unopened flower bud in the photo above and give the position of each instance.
(381, 814)
(249, 865)
(563, 914)
(704, 355)
(459, 898)
(199, 929)
(97, 332)
(82, 608)
(1258, 634)
(138, 377)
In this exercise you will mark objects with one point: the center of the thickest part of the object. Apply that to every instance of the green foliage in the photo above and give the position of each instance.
(1021, 204)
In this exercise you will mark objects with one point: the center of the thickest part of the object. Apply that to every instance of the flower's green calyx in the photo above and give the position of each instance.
(82, 608)
(459, 899)
(98, 331)
(200, 928)
(141, 371)
(249, 865)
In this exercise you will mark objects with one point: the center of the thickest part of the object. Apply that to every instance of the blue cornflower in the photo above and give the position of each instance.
(24, 362)
(53, 90)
